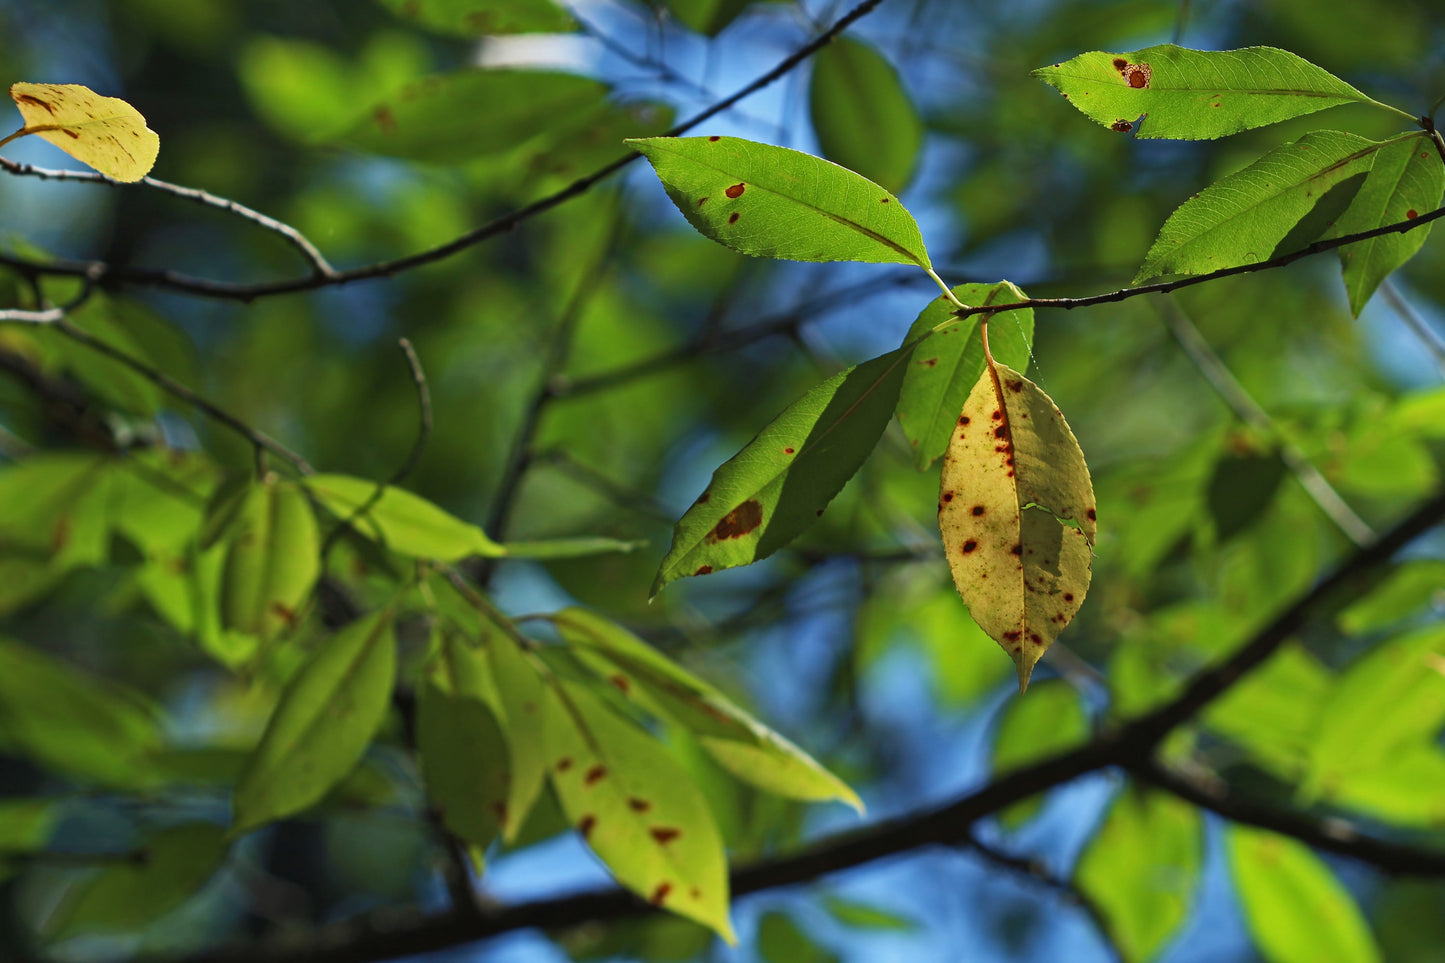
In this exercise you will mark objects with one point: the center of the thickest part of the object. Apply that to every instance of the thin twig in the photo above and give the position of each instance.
(1247, 410)
(204, 198)
(236, 291)
(1429, 337)
(47, 316)
(424, 412)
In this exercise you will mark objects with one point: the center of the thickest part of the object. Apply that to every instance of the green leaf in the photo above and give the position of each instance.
(400, 521)
(464, 760)
(708, 17)
(581, 547)
(25, 827)
(1196, 94)
(105, 133)
(862, 115)
(73, 722)
(636, 807)
(1295, 908)
(325, 720)
(778, 485)
(127, 895)
(867, 916)
(1245, 217)
(451, 118)
(1142, 868)
(947, 363)
(1406, 180)
(520, 693)
(773, 202)
(782, 940)
(1405, 787)
(57, 518)
(1050, 720)
(1016, 510)
(742, 745)
(272, 560)
(1241, 488)
(1408, 587)
(479, 18)
(1273, 713)
(1386, 698)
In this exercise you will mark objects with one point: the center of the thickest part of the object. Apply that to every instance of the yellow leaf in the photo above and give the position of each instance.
(1016, 509)
(105, 132)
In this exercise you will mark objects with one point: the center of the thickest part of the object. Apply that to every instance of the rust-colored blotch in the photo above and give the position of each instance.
(736, 190)
(738, 522)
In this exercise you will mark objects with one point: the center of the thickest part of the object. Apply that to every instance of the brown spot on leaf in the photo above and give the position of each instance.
(665, 834)
(1120, 63)
(499, 809)
(1411, 214)
(620, 681)
(787, 451)
(963, 420)
(703, 498)
(969, 546)
(882, 200)
(997, 415)
(695, 893)
(1015, 386)
(1000, 431)
(585, 824)
(738, 522)
(714, 138)
(928, 362)
(1121, 125)
(29, 99)
(639, 805)
(659, 895)
(701, 201)
(736, 190)
(1138, 76)
(733, 217)
(286, 615)
(384, 118)
(73, 135)
(564, 764)
(703, 570)
(1013, 636)
(1090, 513)
(1035, 639)
(948, 496)
(1068, 596)
(978, 510)
(595, 775)
(1017, 550)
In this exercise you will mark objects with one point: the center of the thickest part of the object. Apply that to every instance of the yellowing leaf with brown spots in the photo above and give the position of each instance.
(105, 132)
(1016, 509)
(636, 806)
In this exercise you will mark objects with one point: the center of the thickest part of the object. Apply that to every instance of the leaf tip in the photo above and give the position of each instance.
(1025, 663)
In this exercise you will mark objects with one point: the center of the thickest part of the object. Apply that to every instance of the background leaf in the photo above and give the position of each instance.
(1196, 94)
(400, 521)
(477, 18)
(862, 114)
(272, 560)
(1050, 720)
(773, 202)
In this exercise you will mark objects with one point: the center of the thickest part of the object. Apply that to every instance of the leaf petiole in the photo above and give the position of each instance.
(17, 135)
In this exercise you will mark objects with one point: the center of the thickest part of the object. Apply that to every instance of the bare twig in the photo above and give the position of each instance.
(1247, 410)
(236, 291)
(424, 412)
(206, 199)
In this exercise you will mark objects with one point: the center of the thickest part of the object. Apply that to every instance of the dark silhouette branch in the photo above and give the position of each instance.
(107, 274)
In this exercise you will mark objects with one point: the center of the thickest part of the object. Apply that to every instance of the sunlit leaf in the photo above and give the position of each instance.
(73, 722)
(1407, 179)
(636, 807)
(1245, 217)
(175, 864)
(947, 364)
(1403, 592)
(1142, 868)
(1016, 509)
(1050, 720)
(1196, 94)
(1386, 698)
(746, 748)
(272, 560)
(106, 133)
(478, 18)
(400, 521)
(325, 720)
(778, 485)
(1405, 786)
(1273, 713)
(862, 114)
(451, 118)
(1296, 909)
(773, 202)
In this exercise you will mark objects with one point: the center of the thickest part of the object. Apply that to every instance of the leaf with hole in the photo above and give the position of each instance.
(773, 202)
(742, 745)
(636, 806)
(323, 723)
(1016, 509)
(778, 485)
(862, 114)
(272, 560)
(1406, 180)
(1142, 869)
(400, 521)
(1175, 92)
(105, 133)
(1247, 217)
(1294, 906)
(947, 363)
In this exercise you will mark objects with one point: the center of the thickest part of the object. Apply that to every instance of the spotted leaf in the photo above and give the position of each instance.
(636, 806)
(768, 493)
(1016, 509)
(323, 723)
(773, 202)
(1173, 92)
(947, 363)
(520, 695)
(105, 133)
(272, 560)
(739, 743)
(1406, 180)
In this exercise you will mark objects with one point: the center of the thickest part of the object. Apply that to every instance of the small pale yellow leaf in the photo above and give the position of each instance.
(1016, 509)
(105, 132)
